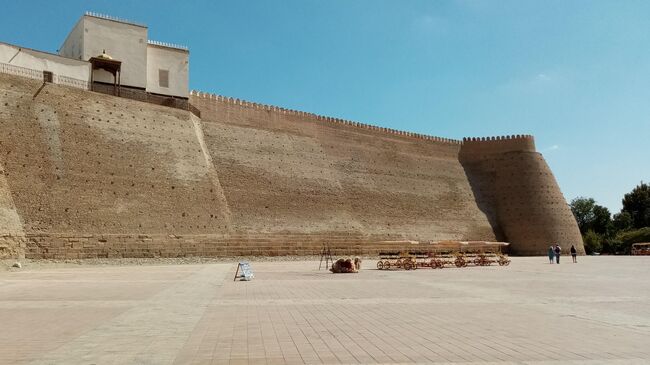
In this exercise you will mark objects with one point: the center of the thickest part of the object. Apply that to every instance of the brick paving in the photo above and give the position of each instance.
(593, 312)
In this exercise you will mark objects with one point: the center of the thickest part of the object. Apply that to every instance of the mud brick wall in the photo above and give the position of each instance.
(12, 237)
(72, 246)
(78, 161)
(284, 170)
(513, 184)
(91, 175)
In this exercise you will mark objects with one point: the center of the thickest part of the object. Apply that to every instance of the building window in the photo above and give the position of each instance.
(48, 76)
(163, 78)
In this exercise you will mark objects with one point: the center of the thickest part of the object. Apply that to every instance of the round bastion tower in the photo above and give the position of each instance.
(516, 189)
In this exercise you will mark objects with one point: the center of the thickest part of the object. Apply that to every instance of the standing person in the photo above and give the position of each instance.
(574, 253)
(558, 251)
(551, 254)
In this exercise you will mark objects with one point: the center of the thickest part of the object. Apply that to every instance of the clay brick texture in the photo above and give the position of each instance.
(91, 175)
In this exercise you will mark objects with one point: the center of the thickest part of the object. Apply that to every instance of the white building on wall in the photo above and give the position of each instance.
(154, 67)
(42, 65)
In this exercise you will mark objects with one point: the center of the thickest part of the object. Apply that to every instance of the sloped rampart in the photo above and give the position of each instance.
(82, 162)
(514, 185)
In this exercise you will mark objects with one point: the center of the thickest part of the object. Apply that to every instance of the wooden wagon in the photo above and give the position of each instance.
(396, 260)
(437, 260)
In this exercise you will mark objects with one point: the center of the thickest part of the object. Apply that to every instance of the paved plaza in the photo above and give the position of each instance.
(593, 312)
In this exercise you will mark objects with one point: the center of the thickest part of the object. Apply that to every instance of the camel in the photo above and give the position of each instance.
(346, 266)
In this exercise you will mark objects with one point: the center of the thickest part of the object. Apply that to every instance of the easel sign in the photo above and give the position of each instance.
(246, 271)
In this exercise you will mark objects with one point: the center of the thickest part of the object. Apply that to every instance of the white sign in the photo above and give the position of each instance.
(246, 271)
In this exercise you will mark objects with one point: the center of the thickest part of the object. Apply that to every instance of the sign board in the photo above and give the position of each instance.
(244, 271)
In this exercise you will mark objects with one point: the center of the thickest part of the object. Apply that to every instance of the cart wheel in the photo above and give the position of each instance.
(460, 262)
(386, 265)
(398, 263)
(477, 262)
(434, 264)
(380, 265)
(407, 265)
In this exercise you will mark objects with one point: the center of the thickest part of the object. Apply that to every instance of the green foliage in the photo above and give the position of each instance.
(601, 233)
(593, 242)
(614, 246)
(637, 235)
(602, 221)
(591, 216)
(609, 247)
(637, 204)
(622, 221)
(582, 209)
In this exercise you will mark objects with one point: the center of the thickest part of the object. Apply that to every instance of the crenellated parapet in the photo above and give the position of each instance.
(499, 144)
(514, 137)
(208, 97)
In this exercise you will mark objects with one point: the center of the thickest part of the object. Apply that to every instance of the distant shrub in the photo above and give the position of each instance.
(615, 246)
(593, 242)
(634, 236)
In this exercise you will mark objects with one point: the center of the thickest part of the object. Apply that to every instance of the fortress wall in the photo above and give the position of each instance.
(78, 162)
(519, 190)
(90, 175)
(297, 172)
(12, 236)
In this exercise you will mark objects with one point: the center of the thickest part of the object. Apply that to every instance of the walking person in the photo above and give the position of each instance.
(558, 251)
(551, 254)
(574, 254)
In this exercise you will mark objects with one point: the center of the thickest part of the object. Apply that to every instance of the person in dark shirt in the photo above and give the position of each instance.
(558, 251)
(574, 254)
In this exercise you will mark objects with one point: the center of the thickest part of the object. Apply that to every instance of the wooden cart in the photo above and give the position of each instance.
(396, 260)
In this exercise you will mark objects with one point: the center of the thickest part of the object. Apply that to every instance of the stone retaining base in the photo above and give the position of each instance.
(77, 246)
(12, 246)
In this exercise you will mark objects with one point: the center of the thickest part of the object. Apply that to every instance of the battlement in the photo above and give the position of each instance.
(468, 140)
(273, 108)
(168, 45)
(497, 144)
(114, 18)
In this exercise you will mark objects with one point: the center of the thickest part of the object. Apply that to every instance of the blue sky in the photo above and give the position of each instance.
(575, 74)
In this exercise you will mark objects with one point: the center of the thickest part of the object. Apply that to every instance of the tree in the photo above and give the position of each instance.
(622, 243)
(612, 246)
(602, 221)
(583, 210)
(637, 204)
(593, 242)
(591, 216)
(638, 235)
(622, 221)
